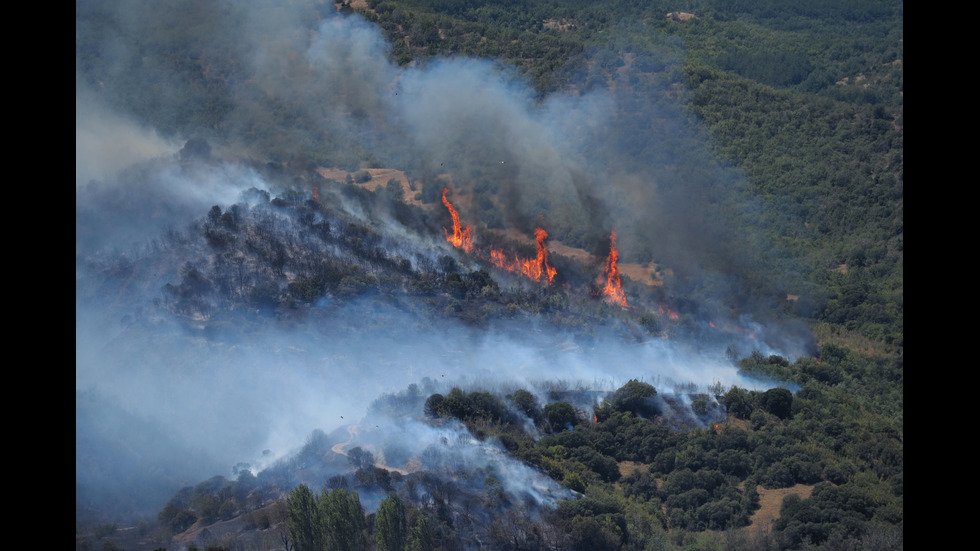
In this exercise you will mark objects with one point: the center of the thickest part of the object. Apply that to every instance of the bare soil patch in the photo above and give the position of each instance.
(769, 503)
(379, 177)
(626, 468)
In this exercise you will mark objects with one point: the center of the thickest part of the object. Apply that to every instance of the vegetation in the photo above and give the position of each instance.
(805, 100)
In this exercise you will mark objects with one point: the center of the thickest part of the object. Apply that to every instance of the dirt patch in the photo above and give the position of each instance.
(638, 273)
(558, 24)
(379, 177)
(769, 503)
(626, 468)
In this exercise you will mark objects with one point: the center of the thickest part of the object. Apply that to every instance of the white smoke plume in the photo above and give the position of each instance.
(253, 394)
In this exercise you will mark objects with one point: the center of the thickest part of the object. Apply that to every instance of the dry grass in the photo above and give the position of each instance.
(770, 502)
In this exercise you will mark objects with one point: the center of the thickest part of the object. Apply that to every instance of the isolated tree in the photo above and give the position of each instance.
(391, 530)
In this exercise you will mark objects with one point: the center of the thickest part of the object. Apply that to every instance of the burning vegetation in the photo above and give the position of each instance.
(460, 237)
(610, 282)
(536, 269)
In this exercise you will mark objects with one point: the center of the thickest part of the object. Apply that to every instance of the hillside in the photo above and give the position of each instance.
(511, 276)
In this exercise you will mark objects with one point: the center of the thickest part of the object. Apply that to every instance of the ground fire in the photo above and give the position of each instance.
(460, 238)
(537, 268)
(610, 283)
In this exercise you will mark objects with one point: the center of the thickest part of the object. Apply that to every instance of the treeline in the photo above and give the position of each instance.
(642, 477)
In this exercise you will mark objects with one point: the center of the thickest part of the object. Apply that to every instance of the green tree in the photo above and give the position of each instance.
(421, 536)
(526, 403)
(391, 531)
(635, 397)
(777, 401)
(342, 520)
(305, 527)
(739, 402)
(560, 415)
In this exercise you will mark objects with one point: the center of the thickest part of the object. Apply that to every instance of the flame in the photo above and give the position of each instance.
(610, 281)
(537, 268)
(460, 238)
(316, 193)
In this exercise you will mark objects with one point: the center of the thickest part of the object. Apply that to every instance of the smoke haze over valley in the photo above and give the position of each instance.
(190, 363)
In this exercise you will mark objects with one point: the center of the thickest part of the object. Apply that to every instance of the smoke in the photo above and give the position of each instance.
(215, 397)
(106, 142)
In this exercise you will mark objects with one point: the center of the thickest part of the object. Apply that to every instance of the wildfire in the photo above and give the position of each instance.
(316, 193)
(537, 268)
(610, 281)
(460, 238)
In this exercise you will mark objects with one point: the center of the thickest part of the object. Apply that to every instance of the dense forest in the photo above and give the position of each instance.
(437, 196)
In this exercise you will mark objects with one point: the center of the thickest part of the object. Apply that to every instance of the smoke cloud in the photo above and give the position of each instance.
(204, 402)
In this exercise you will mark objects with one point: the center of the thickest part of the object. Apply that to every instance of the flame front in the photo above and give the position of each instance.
(609, 281)
(537, 268)
(460, 238)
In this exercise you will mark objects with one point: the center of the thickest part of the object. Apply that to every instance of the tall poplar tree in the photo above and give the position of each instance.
(390, 526)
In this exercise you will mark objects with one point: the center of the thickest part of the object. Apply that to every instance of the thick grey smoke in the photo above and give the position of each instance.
(212, 401)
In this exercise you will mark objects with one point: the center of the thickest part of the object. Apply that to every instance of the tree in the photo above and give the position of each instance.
(635, 397)
(560, 414)
(391, 531)
(777, 401)
(739, 402)
(359, 458)
(342, 520)
(421, 536)
(305, 526)
(526, 403)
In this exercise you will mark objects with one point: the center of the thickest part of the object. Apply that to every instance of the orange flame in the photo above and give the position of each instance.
(536, 268)
(610, 280)
(460, 238)
(316, 193)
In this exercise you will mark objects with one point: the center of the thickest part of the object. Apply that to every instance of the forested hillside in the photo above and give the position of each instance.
(633, 272)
